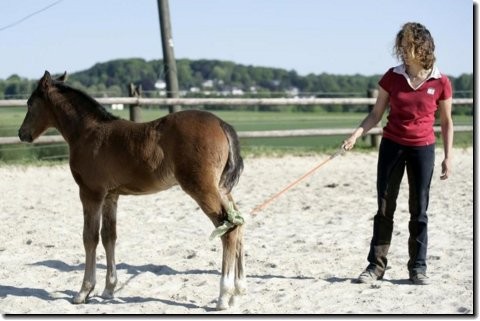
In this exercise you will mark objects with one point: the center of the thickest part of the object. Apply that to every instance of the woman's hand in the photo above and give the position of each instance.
(446, 124)
(349, 142)
(446, 169)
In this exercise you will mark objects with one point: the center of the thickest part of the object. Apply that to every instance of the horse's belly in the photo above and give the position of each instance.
(144, 187)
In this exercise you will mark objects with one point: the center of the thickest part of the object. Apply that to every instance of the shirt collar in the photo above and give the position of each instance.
(435, 73)
(400, 69)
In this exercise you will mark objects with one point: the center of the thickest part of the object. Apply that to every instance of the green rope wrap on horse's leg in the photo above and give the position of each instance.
(234, 218)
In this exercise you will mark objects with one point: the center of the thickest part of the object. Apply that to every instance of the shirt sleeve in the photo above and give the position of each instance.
(447, 91)
(386, 81)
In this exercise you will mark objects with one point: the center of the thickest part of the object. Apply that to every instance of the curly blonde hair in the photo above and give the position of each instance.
(415, 42)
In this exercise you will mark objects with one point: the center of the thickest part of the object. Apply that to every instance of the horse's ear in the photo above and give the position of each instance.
(46, 80)
(62, 78)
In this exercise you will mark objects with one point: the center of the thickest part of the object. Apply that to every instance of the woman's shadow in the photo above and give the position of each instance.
(335, 279)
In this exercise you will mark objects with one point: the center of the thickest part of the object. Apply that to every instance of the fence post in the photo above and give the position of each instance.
(135, 110)
(374, 138)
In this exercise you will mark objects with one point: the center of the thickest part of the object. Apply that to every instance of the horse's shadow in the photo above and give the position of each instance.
(41, 294)
(155, 269)
(133, 270)
(67, 295)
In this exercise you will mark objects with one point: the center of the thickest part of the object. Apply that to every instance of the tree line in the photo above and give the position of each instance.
(199, 78)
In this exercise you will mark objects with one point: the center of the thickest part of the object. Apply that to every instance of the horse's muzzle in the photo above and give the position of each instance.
(24, 137)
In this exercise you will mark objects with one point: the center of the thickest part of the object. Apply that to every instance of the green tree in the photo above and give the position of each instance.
(112, 77)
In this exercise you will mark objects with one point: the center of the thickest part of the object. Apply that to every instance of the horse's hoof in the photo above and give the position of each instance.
(233, 301)
(107, 294)
(222, 305)
(79, 299)
(241, 288)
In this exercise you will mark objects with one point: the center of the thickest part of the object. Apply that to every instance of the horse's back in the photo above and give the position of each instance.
(186, 119)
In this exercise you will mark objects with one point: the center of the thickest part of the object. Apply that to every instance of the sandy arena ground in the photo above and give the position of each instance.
(302, 252)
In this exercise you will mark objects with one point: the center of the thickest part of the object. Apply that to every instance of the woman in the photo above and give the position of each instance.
(414, 91)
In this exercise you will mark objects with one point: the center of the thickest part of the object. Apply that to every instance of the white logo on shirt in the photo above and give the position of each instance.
(431, 91)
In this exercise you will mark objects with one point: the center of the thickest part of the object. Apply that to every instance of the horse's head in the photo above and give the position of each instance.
(39, 115)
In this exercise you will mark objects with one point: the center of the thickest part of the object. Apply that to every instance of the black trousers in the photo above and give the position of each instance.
(393, 158)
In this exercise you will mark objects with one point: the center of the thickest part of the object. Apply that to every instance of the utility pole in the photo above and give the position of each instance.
(169, 64)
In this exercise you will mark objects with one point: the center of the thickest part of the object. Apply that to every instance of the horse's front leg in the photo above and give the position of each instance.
(92, 204)
(109, 236)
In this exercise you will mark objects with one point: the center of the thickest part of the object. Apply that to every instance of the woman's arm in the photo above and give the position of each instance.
(370, 121)
(446, 124)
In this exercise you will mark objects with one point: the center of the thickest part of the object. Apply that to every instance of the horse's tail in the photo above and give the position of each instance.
(234, 167)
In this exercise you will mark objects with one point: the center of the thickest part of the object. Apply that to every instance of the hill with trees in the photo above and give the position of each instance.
(200, 78)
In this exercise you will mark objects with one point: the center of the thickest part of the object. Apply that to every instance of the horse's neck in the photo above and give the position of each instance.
(71, 120)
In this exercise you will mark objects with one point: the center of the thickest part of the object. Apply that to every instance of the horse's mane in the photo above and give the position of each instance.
(87, 103)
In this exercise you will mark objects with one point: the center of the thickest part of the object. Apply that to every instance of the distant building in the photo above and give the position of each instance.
(160, 84)
(292, 92)
(207, 83)
(194, 89)
(237, 91)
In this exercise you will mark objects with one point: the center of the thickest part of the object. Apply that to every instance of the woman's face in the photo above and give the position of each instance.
(407, 52)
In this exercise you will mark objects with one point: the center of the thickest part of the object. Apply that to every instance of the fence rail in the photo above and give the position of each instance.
(137, 101)
(54, 139)
(229, 101)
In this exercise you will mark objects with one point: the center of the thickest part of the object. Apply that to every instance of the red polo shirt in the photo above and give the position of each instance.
(412, 110)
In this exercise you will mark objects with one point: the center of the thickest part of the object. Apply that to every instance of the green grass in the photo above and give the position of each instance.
(11, 119)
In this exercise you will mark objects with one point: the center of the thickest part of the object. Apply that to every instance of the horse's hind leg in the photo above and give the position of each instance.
(227, 281)
(109, 236)
(240, 281)
(211, 203)
(92, 203)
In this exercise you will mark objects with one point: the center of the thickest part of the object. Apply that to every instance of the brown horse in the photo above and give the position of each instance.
(111, 157)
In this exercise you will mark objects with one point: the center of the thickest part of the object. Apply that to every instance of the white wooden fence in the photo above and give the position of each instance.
(230, 101)
(139, 101)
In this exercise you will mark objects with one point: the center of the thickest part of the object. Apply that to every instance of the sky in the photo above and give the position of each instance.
(309, 36)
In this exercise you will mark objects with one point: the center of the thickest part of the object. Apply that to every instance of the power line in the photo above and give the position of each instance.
(13, 24)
